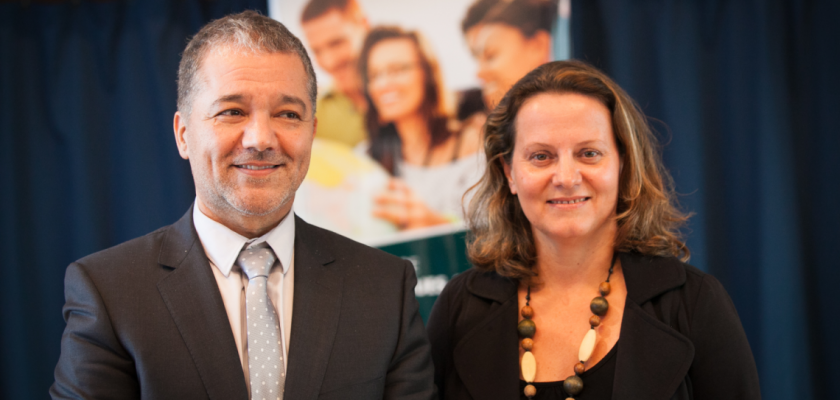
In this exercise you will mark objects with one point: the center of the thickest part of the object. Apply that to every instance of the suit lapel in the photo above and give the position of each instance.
(315, 315)
(653, 358)
(487, 358)
(192, 296)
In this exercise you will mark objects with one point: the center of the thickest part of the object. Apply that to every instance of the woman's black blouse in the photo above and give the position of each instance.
(597, 383)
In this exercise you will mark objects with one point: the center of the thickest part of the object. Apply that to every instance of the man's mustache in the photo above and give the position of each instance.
(270, 156)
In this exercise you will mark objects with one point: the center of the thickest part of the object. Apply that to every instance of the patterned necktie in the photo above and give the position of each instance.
(265, 357)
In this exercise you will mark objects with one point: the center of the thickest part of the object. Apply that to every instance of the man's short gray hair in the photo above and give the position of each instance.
(248, 31)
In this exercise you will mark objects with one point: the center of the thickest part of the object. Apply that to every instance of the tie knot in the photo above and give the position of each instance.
(256, 260)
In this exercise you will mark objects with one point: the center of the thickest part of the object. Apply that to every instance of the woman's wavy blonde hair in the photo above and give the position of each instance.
(648, 218)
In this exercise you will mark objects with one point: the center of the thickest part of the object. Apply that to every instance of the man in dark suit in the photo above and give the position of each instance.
(182, 313)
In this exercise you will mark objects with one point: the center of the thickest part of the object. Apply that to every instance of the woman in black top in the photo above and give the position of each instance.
(580, 289)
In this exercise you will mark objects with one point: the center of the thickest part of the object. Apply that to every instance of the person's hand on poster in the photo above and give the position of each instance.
(399, 205)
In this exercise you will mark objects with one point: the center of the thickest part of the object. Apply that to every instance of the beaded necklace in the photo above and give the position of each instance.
(573, 385)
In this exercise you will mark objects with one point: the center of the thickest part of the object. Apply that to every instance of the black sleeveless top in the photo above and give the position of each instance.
(597, 382)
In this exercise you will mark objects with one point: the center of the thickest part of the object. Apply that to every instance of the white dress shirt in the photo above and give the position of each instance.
(222, 247)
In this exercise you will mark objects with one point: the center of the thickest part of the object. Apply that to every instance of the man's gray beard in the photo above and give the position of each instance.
(230, 201)
(223, 196)
(246, 211)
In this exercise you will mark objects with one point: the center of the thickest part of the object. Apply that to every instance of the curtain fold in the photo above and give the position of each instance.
(746, 92)
(87, 153)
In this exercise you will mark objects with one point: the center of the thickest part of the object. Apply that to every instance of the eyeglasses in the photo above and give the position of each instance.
(392, 71)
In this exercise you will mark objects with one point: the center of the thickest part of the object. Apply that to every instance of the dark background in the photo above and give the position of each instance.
(87, 152)
(748, 93)
(745, 92)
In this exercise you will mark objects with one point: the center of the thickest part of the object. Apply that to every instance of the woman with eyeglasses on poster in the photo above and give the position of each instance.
(433, 159)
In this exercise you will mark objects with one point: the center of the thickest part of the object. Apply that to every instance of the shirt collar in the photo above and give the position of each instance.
(222, 245)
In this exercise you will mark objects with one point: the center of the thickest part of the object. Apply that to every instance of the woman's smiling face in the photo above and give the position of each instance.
(504, 55)
(565, 166)
(396, 79)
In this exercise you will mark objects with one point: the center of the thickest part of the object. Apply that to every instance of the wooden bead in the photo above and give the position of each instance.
(580, 368)
(527, 312)
(599, 306)
(604, 288)
(529, 367)
(527, 344)
(594, 321)
(573, 385)
(527, 328)
(587, 345)
(530, 391)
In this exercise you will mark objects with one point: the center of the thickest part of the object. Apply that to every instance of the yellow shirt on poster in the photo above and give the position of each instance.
(339, 120)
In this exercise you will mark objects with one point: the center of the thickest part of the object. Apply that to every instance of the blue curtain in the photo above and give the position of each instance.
(87, 153)
(745, 97)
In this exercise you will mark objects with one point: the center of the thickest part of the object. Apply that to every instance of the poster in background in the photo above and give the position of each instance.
(403, 94)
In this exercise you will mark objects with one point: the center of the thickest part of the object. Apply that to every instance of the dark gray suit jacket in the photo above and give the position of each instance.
(680, 339)
(145, 319)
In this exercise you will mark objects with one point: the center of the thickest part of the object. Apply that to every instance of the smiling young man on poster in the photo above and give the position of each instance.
(240, 298)
(335, 30)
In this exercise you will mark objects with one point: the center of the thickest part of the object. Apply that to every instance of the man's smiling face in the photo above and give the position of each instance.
(248, 136)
